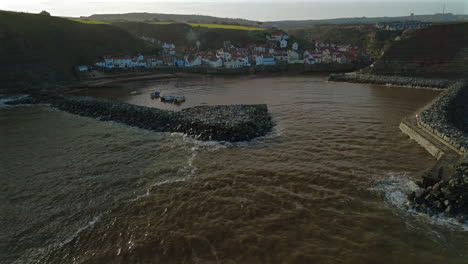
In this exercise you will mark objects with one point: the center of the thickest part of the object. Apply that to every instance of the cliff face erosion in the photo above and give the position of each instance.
(438, 51)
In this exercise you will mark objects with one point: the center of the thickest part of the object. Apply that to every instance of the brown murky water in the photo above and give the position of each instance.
(326, 186)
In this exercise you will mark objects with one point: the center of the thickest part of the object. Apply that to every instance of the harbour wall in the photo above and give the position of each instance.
(392, 80)
(232, 123)
(441, 128)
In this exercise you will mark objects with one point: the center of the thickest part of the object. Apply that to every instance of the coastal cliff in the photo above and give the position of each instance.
(439, 51)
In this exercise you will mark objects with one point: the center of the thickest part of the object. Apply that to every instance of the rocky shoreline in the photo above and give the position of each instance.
(447, 117)
(392, 80)
(232, 123)
(447, 196)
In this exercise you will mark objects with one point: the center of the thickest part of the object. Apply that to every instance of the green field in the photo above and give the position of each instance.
(89, 21)
(214, 26)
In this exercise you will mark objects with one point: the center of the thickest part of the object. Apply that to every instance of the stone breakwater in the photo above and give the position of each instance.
(447, 196)
(392, 80)
(232, 123)
(448, 117)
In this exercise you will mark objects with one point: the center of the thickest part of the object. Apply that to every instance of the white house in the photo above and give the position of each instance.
(259, 60)
(259, 48)
(123, 62)
(326, 58)
(217, 64)
(283, 44)
(167, 46)
(341, 59)
(246, 61)
(317, 57)
(276, 36)
(295, 46)
(269, 60)
(101, 64)
(196, 62)
(109, 62)
(309, 60)
(233, 64)
(281, 56)
(83, 68)
(293, 58)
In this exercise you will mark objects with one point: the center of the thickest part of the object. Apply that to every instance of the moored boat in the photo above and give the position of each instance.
(155, 95)
(167, 98)
(135, 93)
(179, 99)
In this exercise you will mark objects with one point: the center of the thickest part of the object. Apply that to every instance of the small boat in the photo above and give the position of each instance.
(179, 99)
(155, 95)
(167, 98)
(135, 93)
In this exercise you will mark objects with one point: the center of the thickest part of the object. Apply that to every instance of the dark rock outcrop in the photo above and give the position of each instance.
(447, 196)
(221, 123)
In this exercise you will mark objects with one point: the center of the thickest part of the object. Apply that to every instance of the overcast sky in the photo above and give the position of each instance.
(262, 10)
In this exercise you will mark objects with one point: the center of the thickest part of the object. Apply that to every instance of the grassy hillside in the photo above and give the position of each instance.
(147, 17)
(88, 21)
(369, 39)
(38, 49)
(440, 50)
(185, 36)
(221, 26)
(435, 18)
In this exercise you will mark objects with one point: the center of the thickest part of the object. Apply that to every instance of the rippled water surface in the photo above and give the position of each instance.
(326, 186)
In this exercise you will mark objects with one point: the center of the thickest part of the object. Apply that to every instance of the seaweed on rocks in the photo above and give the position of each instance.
(232, 123)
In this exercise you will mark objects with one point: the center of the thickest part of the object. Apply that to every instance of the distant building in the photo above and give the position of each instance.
(293, 58)
(83, 68)
(295, 46)
(269, 60)
(283, 44)
(44, 13)
(233, 64)
(402, 25)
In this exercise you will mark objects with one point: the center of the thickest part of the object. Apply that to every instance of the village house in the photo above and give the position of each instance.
(259, 59)
(83, 68)
(260, 48)
(293, 58)
(233, 64)
(295, 46)
(283, 44)
(269, 60)
(271, 53)
(276, 36)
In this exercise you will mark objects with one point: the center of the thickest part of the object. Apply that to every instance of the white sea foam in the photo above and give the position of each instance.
(9, 98)
(90, 224)
(395, 188)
